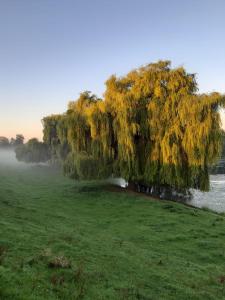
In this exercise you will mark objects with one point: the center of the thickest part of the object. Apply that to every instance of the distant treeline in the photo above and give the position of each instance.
(33, 152)
(152, 128)
(6, 143)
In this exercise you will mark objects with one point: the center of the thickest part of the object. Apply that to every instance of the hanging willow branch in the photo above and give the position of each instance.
(151, 128)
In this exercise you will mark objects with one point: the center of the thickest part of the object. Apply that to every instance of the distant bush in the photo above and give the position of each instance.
(33, 151)
(4, 142)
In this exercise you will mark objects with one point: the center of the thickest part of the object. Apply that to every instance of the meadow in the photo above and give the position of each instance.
(64, 239)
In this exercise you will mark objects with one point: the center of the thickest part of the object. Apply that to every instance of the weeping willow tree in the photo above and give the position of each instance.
(152, 128)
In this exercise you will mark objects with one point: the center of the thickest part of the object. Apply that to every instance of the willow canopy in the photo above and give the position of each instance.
(151, 128)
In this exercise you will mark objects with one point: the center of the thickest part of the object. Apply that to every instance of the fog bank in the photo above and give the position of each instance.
(8, 159)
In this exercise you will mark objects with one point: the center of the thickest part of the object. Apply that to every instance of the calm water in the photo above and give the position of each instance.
(215, 198)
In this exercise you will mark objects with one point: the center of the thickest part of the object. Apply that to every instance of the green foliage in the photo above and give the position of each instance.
(151, 128)
(33, 151)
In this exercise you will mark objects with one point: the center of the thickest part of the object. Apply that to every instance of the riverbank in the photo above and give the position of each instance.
(61, 239)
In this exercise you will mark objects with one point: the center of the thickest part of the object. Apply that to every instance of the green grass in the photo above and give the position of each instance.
(61, 239)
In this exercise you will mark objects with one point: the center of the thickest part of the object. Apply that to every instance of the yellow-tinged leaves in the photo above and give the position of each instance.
(150, 127)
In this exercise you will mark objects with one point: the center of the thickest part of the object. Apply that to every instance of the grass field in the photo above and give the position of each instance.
(61, 239)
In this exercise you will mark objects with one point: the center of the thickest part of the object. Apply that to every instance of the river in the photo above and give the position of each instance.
(215, 198)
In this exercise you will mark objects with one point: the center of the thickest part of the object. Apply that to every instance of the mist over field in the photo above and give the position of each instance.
(8, 158)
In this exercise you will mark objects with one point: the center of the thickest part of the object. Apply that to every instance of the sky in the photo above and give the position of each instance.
(51, 50)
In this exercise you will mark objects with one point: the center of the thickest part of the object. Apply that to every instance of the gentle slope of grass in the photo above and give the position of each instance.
(61, 239)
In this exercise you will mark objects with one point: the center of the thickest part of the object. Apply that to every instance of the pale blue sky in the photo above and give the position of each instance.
(51, 50)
